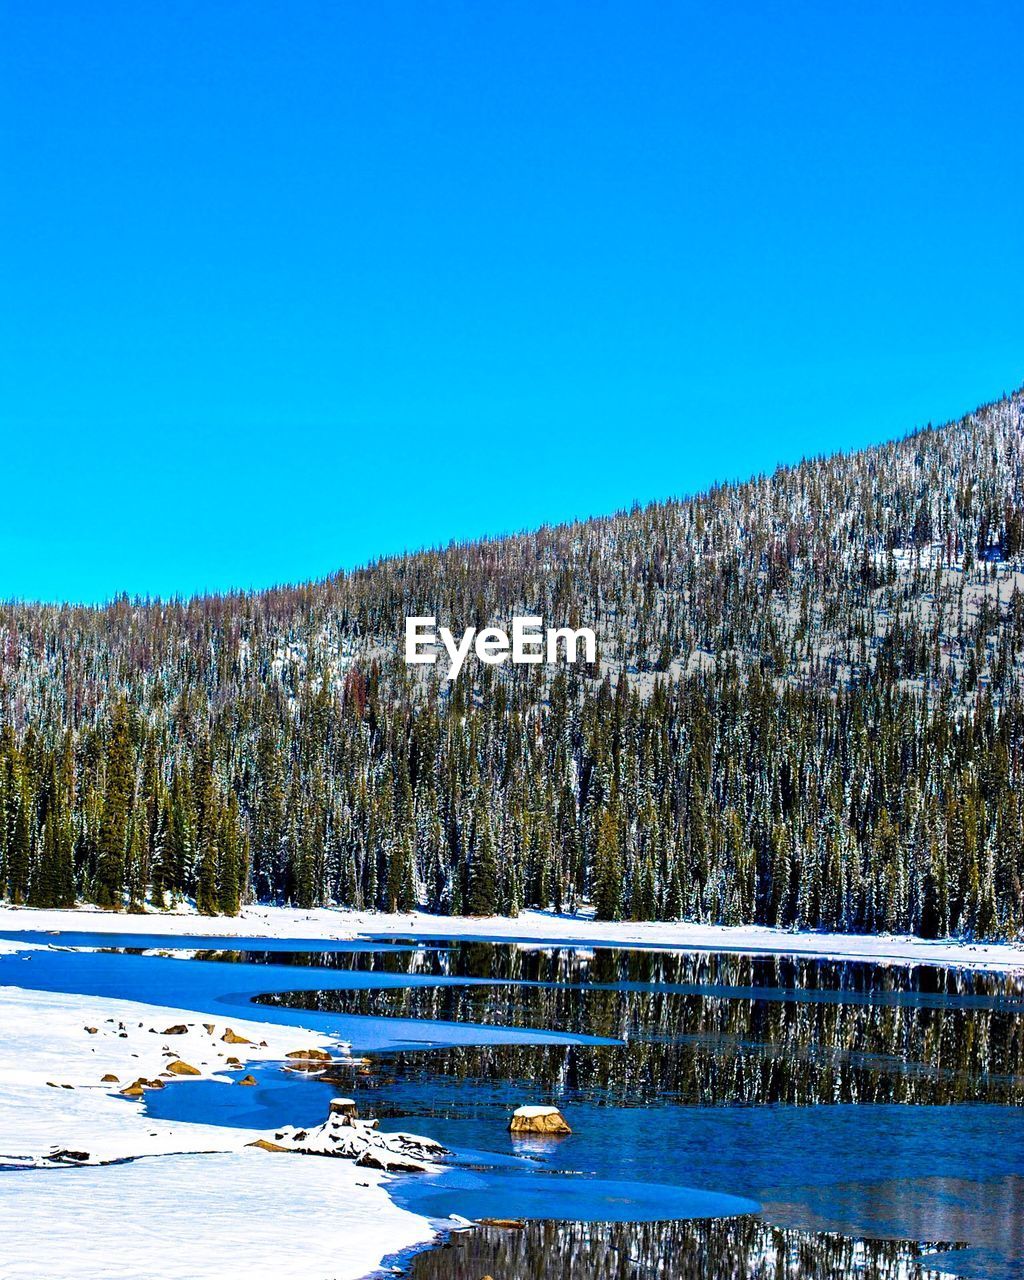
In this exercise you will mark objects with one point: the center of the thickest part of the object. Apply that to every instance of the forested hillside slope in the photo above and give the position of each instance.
(806, 710)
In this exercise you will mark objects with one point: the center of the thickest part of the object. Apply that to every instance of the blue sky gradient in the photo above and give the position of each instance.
(287, 286)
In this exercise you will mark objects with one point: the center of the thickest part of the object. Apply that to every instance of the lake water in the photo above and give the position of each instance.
(854, 1118)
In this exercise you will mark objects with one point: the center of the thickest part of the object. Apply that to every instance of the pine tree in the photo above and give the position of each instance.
(483, 868)
(608, 868)
(231, 869)
(117, 811)
(19, 853)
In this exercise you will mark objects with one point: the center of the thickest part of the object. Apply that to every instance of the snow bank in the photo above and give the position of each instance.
(202, 1217)
(327, 924)
(202, 1205)
(56, 1049)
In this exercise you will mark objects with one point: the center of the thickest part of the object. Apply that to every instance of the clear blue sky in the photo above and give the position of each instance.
(287, 286)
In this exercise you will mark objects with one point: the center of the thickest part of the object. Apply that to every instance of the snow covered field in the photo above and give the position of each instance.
(530, 927)
(202, 1217)
(199, 1203)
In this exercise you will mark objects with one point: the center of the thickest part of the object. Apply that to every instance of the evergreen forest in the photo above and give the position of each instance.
(806, 711)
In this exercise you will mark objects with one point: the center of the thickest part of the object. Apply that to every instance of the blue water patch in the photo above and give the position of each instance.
(220, 989)
(582, 1199)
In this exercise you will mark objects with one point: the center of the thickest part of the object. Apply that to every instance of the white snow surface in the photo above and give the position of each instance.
(531, 927)
(241, 1214)
(193, 1201)
(45, 1047)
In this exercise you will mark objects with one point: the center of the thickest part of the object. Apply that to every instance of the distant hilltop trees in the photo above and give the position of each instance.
(805, 710)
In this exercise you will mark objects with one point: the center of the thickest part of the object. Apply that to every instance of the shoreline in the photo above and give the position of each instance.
(330, 924)
(65, 1060)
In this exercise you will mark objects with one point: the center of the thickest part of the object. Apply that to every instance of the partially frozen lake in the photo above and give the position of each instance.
(814, 1104)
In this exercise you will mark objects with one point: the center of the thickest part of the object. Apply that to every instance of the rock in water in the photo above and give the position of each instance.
(539, 1120)
(308, 1059)
(248, 1080)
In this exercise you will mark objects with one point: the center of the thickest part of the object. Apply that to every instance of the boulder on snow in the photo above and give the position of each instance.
(135, 1089)
(548, 1121)
(109, 1078)
(92, 1030)
(229, 1037)
(179, 1068)
(265, 1145)
(179, 1029)
(210, 1027)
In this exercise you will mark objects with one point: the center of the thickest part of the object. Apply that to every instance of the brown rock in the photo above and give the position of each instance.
(179, 1029)
(179, 1068)
(229, 1037)
(210, 1028)
(109, 1079)
(247, 1080)
(312, 1055)
(264, 1145)
(92, 1030)
(234, 1062)
(539, 1120)
(132, 1090)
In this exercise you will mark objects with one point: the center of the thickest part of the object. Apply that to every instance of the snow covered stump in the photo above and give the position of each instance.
(345, 1136)
(539, 1120)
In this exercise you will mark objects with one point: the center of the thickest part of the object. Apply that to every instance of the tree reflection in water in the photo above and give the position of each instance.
(704, 1029)
(731, 1249)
